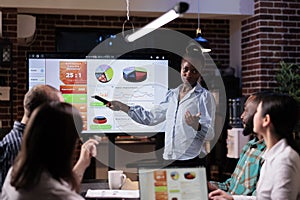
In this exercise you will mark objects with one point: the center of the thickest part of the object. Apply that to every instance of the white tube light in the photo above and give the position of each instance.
(172, 14)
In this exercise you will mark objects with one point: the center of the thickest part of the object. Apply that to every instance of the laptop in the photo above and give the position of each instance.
(173, 183)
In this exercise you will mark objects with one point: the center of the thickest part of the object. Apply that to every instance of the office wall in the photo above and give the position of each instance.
(271, 35)
(216, 31)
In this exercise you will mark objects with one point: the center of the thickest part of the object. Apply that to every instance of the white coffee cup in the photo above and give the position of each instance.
(116, 179)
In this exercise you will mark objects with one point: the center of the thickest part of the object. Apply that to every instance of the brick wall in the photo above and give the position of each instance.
(269, 36)
(9, 31)
(216, 31)
(272, 34)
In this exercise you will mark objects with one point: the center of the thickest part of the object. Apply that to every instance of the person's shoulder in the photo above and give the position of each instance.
(8, 191)
(284, 154)
(173, 91)
(287, 162)
(202, 90)
(291, 155)
(247, 146)
(207, 94)
(254, 147)
(18, 128)
(14, 134)
(253, 141)
(250, 143)
(68, 195)
(51, 187)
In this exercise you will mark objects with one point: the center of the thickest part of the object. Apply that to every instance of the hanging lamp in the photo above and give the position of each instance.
(201, 40)
(172, 14)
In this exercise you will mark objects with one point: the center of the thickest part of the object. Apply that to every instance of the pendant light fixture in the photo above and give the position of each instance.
(201, 40)
(127, 21)
(172, 14)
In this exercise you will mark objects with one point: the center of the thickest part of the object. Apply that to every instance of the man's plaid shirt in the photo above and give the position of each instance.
(246, 174)
(9, 148)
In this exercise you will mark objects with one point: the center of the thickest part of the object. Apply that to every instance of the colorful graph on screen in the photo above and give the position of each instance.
(104, 73)
(133, 80)
(135, 74)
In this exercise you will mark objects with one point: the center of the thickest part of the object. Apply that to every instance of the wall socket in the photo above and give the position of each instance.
(4, 93)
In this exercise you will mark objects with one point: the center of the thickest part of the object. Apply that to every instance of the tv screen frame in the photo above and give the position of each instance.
(146, 67)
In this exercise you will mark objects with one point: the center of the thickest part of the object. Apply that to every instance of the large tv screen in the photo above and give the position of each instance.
(140, 79)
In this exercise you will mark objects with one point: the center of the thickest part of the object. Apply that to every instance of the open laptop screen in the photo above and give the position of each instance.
(173, 184)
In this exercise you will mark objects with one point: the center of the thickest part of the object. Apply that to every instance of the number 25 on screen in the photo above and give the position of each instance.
(72, 75)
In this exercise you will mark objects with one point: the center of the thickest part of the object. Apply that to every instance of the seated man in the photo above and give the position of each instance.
(11, 143)
(275, 119)
(245, 176)
(43, 166)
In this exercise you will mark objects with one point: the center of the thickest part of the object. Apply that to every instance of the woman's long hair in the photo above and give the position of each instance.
(284, 113)
(48, 146)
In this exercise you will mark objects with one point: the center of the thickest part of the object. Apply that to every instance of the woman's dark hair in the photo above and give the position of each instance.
(284, 113)
(48, 146)
(194, 55)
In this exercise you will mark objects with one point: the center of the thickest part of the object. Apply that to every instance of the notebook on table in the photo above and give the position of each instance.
(173, 184)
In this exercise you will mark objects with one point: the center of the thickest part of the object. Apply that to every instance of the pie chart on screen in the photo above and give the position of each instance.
(104, 73)
(134, 74)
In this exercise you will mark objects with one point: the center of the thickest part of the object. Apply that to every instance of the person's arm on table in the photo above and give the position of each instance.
(222, 195)
(213, 185)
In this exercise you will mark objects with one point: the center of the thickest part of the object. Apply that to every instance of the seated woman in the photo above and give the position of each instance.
(43, 167)
(274, 120)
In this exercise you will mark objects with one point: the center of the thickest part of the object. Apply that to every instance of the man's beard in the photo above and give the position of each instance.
(248, 129)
